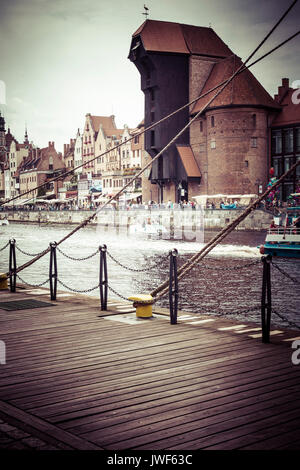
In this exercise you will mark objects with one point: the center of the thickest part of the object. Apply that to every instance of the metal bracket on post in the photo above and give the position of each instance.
(266, 299)
(12, 265)
(103, 281)
(53, 271)
(173, 287)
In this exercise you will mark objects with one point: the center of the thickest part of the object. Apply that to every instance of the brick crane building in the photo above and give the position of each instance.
(227, 148)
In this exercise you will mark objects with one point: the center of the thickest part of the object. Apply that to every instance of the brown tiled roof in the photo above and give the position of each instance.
(188, 160)
(164, 36)
(244, 89)
(107, 122)
(290, 113)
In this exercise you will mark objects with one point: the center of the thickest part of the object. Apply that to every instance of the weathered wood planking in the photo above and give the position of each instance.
(148, 385)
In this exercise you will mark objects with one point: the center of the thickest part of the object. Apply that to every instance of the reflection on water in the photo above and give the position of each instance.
(215, 285)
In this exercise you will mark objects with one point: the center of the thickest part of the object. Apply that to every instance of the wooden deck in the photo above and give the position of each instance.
(113, 382)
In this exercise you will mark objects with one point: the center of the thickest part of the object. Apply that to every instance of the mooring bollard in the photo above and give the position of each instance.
(12, 265)
(173, 287)
(266, 299)
(3, 281)
(103, 281)
(143, 305)
(53, 271)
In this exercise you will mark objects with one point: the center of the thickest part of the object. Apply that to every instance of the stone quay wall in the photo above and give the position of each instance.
(208, 219)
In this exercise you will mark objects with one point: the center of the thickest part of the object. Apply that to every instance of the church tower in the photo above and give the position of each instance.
(2, 140)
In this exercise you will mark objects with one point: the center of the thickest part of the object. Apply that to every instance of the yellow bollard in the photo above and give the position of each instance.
(143, 305)
(3, 281)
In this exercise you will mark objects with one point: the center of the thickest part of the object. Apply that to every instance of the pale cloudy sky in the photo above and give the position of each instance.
(61, 59)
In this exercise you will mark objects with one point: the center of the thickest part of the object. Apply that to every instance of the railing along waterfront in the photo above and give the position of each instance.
(169, 263)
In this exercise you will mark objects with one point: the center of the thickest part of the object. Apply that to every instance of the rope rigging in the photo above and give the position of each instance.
(65, 174)
(188, 265)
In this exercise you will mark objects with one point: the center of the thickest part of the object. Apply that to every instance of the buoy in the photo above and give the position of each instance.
(3, 281)
(143, 305)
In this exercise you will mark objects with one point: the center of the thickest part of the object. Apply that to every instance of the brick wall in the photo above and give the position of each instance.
(228, 159)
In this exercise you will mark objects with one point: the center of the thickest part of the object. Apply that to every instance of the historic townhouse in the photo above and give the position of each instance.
(41, 165)
(78, 153)
(285, 138)
(17, 153)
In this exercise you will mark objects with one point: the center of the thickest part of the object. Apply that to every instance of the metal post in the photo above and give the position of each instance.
(53, 271)
(12, 264)
(173, 287)
(103, 281)
(266, 299)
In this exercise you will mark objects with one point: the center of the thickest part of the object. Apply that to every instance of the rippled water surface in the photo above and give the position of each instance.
(216, 285)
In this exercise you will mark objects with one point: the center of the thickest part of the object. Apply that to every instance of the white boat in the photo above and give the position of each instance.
(284, 241)
(4, 222)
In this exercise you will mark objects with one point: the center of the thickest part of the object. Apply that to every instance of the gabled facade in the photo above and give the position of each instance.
(41, 165)
(285, 138)
(89, 138)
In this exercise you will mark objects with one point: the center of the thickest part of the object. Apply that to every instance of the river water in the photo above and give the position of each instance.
(220, 284)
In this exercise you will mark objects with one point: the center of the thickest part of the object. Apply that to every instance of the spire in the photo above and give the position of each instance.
(2, 123)
(26, 141)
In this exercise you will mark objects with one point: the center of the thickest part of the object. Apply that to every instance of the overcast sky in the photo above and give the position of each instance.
(61, 59)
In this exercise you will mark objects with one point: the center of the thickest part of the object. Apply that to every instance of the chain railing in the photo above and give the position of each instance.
(84, 258)
(265, 307)
(78, 291)
(28, 254)
(5, 246)
(118, 293)
(212, 310)
(30, 284)
(129, 268)
(296, 281)
(283, 318)
(230, 268)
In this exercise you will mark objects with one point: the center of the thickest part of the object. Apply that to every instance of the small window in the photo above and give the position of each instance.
(246, 164)
(212, 120)
(253, 142)
(213, 144)
(152, 138)
(254, 120)
(201, 126)
(152, 94)
(152, 116)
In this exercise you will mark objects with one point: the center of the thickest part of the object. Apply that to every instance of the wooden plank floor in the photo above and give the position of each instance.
(104, 380)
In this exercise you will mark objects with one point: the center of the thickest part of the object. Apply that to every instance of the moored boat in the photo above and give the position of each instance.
(283, 240)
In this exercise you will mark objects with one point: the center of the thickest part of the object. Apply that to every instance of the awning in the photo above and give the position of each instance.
(20, 202)
(189, 161)
(129, 196)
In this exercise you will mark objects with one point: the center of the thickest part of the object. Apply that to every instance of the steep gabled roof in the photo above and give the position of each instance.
(244, 89)
(107, 123)
(290, 113)
(164, 36)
